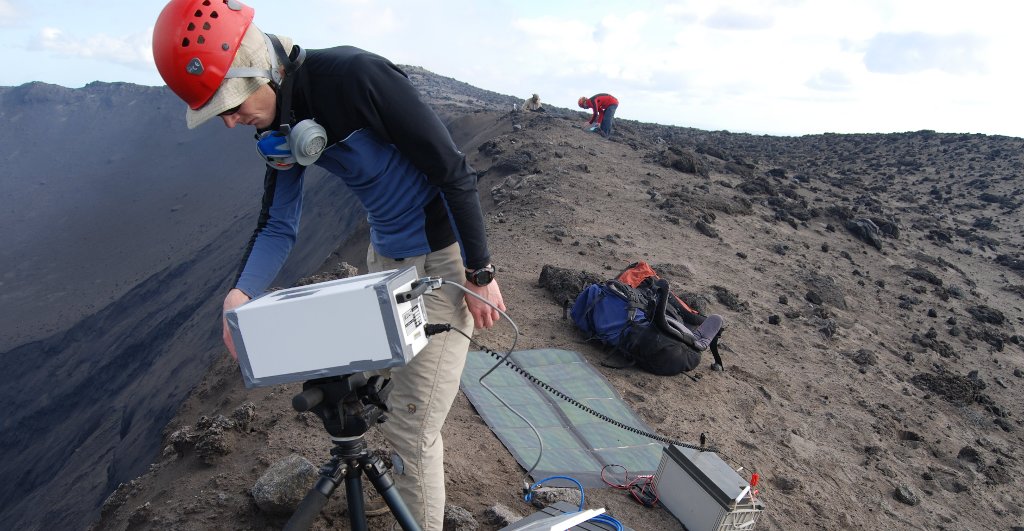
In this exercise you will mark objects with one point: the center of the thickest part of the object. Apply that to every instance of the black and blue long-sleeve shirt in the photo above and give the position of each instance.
(390, 148)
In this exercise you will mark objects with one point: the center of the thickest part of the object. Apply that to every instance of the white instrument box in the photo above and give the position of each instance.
(330, 328)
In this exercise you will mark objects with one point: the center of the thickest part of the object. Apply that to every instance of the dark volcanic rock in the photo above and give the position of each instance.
(932, 343)
(458, 519)
(983, 333)
(921, 273)
(214, 438)
(984, 223)
(758, 186)
(284, 484)
(565, 284)
(729, 299)
(696, 301)
(786, 484)
(1008, 261)
(826, 290)
(862, 357)
(705, 229)
(517, 162)
(684, 160)
(986, 314)
(903, 494)
(866, 230)
(970, 454)
(888, 228)
(828, 328)
(954, 388)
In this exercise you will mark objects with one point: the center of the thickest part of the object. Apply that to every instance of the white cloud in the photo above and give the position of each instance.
(727, 18)
(830, 80)
(905, 53)
(385, 21)
(133, 50)
(7, 12)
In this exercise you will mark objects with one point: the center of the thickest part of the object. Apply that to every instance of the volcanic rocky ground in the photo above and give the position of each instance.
(873, 286)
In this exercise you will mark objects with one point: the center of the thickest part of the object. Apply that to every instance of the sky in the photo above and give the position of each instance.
(777, 67)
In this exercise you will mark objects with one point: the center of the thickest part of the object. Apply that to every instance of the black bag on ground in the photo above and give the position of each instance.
(662, 344)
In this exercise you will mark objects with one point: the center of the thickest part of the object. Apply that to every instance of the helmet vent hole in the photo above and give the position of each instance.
(201, 40)
(184, 42)
(191, 26)
(213, 14)
(206, 3)
(206, 26)
(198, 13)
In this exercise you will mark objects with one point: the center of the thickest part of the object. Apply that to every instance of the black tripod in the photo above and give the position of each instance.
(348, 406)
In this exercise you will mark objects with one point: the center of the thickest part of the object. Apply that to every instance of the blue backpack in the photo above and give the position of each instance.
(605, 311)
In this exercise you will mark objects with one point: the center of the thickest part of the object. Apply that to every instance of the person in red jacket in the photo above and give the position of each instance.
(604, 106)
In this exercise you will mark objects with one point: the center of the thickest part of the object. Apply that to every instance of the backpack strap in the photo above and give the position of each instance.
(659, 319)
(717, 366)
(632, 298)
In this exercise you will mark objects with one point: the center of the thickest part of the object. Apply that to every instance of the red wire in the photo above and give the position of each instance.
(620, 486)
(643, 483)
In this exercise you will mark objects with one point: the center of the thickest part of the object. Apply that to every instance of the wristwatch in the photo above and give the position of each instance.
(482, 276)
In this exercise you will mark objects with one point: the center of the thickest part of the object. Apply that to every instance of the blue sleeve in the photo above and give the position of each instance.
(275, 232)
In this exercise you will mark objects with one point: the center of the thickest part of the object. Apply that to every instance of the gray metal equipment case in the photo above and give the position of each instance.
(331, 328)
(703, 492)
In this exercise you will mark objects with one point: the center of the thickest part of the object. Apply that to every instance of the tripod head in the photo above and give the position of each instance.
(348, 405)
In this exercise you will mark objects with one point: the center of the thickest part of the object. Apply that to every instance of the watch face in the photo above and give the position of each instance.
(482, 276)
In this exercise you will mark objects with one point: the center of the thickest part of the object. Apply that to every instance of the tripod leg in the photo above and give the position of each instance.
(354, 495)
(309, 509)
(381, 480)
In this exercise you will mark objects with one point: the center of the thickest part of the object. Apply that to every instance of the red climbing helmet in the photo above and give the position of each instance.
(194, 42)
(582, 102)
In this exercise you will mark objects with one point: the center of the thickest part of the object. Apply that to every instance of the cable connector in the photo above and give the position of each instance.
(431, 329)
(431, 283)
(418, 288)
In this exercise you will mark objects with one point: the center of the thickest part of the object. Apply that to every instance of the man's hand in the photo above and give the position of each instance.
(235, 298)
(483, 315)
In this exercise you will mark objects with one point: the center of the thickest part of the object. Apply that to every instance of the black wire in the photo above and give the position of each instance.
(539, 383)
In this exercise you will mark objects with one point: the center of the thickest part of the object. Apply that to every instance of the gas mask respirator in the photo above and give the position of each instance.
(305, 141)
(301, 144)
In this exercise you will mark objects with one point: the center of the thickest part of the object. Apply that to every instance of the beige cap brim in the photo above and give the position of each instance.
(232, 93)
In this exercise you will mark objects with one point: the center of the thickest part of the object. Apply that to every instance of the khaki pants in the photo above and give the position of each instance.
(423, 391)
